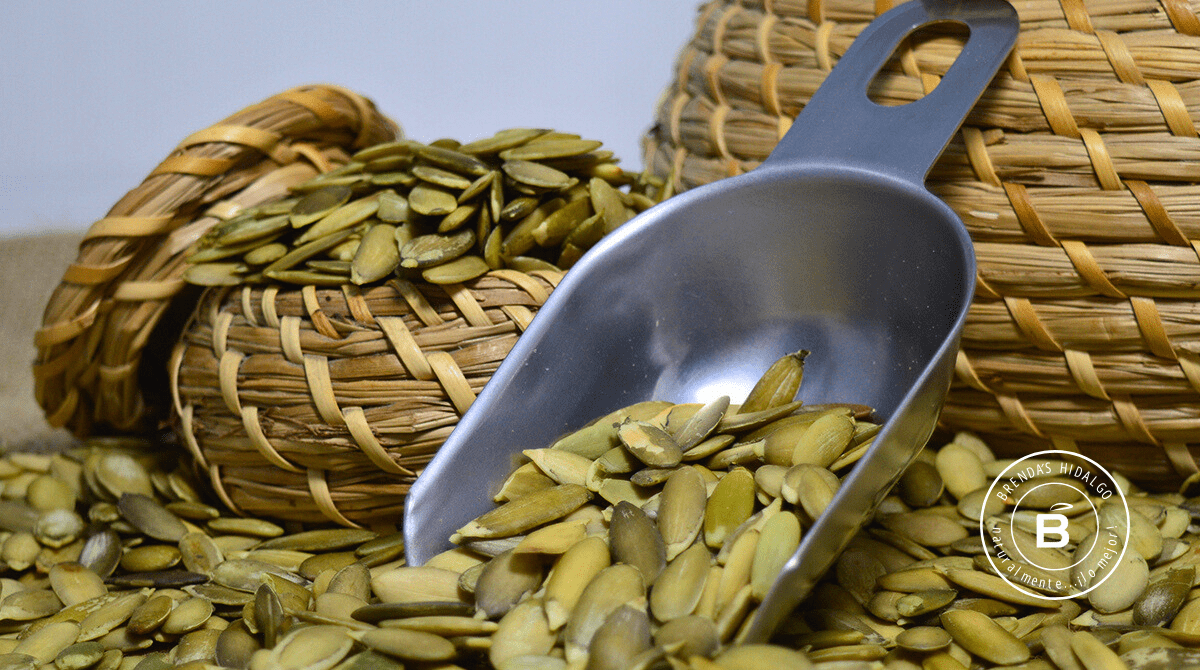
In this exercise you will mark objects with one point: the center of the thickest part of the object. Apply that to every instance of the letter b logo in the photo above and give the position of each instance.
(1051, 524)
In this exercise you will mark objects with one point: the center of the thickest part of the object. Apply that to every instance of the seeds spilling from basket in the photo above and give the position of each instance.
(444, 212)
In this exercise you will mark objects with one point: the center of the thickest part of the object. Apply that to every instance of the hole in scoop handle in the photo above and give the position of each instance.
(840, 125)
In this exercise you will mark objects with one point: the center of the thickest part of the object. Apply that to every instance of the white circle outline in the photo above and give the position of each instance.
(1124, 548)
(1013, 525)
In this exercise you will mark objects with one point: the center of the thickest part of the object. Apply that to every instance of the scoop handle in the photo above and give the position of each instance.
(841, 125)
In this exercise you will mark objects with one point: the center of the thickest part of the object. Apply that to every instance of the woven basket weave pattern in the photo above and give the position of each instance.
(1077, 175)
(323, 404)
(102, 316)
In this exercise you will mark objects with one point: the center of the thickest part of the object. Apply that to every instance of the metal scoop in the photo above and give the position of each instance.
(832, 245)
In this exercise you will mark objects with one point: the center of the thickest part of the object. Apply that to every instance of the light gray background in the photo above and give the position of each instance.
(94, 94)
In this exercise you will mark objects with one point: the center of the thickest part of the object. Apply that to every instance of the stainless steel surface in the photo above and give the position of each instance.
(833, 245)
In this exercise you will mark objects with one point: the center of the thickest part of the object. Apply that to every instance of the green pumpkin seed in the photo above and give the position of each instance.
(461, 269)
(318, 204)
(342, 218)
(548, 149)
(534, 174)
(429, 250)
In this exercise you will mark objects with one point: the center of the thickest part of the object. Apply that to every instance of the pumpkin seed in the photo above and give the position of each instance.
(527, 512)
(778, 540)
(650, 444)
(151, 614)
(730, 505)
(340, 219)
(318, 204)
(572, 573)
(314, 646)
(522, 633)
(622, 636)
(543, 149)
(611, 588)
(377, 255)
(677, 591)
(505, 580)
(1161, 600)
(461, 269)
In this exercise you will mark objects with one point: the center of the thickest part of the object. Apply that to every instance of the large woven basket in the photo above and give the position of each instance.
(1077, 174)
(109, 326)
(318, 404)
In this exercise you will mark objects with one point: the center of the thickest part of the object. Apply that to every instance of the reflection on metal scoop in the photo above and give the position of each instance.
(832, 245)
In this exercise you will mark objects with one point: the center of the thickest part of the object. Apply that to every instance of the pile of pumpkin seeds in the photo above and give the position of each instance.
(644, 540)
(444, 212)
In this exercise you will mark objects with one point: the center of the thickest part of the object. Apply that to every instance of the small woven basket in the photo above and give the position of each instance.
(318, 404)
(108, 327)
(1077, 174)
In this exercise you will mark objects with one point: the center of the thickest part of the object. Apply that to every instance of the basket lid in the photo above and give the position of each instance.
(122, 302)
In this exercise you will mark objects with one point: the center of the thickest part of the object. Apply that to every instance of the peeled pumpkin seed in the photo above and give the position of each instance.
(572, 573)
(729, 505)
(611, 588)
(317, 204)
(340, 219)
(73, 583)
(430, 250)
(756, 656)
(79, 656)
(523, 632)
(377, 255)
(1124, 581)
(635, 540)
(981, 636)
(677, 591)
(778, 385)
(960, 470)
(622, 636)
(307, 647)
(416, 584)
(681, 512)
(151, 518)
(151, 614)
(527, 512)
(461, 269)
(778, 540)
(505, 580)
(1161, 600)
(650, 444)
(547, 149)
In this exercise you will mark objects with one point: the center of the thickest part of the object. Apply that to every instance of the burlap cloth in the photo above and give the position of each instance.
(30, 268)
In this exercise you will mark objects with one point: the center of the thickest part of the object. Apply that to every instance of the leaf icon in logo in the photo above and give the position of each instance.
(1061, 506)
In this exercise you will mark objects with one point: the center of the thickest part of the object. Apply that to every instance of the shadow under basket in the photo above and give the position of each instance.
(1077, 174)
(324, 404)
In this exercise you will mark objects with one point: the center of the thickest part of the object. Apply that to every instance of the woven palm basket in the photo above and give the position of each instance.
(1077, 174)
(108, 327)
(318, 392)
